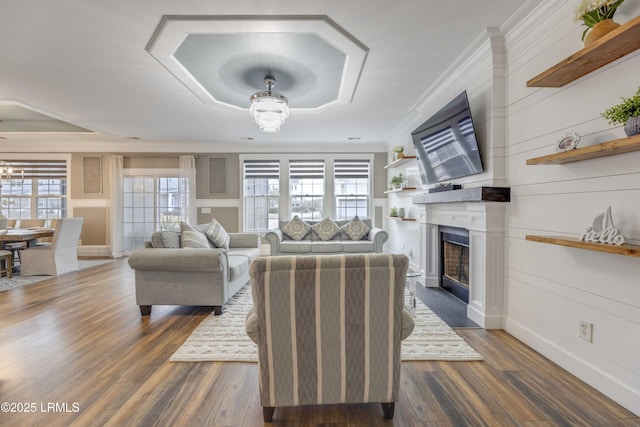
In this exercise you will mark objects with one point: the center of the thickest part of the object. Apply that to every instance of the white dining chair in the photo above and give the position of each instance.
(59, 258)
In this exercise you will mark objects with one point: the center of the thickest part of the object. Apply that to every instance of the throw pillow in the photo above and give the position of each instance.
(296, 229)
(194, 239)
(168, 239)
(218, 235)
(356, 229)
(326, 229)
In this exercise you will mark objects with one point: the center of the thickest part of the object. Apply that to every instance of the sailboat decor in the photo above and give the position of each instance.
(603, 231)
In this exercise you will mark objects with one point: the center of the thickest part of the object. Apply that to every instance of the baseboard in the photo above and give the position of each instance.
(94, 251)
(624, 394)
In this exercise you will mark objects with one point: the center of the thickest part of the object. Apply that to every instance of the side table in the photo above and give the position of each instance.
(411, 287)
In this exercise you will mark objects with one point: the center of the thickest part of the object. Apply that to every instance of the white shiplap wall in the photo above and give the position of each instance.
(550, 289)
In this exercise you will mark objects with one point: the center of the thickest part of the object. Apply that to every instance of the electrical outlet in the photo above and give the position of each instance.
(586, 331)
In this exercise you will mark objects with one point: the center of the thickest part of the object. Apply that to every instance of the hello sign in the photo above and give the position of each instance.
(603, 231)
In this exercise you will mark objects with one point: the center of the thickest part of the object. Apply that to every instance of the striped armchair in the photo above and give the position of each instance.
(329, 329)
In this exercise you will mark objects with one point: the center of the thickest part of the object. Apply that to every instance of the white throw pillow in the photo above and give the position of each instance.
(356, 229)
(296, 229)
(218, 235)
(326, 229)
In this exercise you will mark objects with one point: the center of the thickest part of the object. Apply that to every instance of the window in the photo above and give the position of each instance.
(306, 188)
(311, 186)
(351, 179)
(41, 192)
(152, 203)
(261, 194)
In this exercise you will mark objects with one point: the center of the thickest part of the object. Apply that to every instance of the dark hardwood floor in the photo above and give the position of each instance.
(74, 351)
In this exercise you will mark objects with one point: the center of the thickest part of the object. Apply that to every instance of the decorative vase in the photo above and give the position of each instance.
(400, 212)
(632, 126)
(600, 29)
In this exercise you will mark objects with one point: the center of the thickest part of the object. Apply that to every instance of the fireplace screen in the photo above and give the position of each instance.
(456, 263)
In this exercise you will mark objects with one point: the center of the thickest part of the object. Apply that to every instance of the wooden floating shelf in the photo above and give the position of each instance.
(626, 250)
(618, 43)
(400, 161)
(400, 190)
(397, 218)
(609, 148)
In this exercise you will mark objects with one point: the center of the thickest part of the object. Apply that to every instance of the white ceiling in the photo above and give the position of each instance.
(87, 63)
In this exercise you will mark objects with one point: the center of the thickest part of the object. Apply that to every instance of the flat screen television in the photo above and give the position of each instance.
(446, 146)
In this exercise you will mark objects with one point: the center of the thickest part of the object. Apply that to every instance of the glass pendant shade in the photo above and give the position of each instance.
(270, 109)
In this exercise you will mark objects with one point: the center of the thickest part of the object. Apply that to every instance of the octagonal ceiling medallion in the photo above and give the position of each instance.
(224, 59)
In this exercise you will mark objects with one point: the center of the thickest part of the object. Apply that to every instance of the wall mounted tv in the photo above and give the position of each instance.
(446, 146)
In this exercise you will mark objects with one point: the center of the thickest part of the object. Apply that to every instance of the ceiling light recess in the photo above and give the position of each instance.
(269, 108)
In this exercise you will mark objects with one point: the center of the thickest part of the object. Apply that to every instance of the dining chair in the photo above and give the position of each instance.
(6, 264)
(46, 241)
(17, 247)
(59, 258)
(32, 222)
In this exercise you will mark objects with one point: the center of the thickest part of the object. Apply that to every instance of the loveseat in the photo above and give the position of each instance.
(331, 332)
(193, 267)
(298, 237)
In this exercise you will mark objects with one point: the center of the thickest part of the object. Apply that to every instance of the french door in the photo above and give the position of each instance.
(152, 203)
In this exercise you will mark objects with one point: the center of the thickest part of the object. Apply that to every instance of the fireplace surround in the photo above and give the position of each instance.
(485, 221)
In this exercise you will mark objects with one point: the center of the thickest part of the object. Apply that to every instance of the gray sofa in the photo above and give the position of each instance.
(167, 274)
(281, 244)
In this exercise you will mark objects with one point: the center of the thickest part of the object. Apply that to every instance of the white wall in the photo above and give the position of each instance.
(479, 71)
(549, 289)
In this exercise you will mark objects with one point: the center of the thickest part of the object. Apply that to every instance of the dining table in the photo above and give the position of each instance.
(28, 235)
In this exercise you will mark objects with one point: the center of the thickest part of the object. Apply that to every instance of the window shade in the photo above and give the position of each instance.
(306, 169)
(265, 169)
(351, 168)
(40, 169)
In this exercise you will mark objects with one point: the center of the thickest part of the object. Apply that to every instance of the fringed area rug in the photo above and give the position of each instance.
(16, 281)
(223, 338)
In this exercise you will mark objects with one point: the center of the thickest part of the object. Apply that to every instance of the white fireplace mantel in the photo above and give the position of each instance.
(486, 224)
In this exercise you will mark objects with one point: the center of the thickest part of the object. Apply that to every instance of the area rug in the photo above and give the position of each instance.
(16, 281)
(223, 338)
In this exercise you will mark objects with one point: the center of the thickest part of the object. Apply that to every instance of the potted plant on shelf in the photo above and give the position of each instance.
(627, 113)
(398, 152)
(597, 16)
(397, 180)
(393, 212)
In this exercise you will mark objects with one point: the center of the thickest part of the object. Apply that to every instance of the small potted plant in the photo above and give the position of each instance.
(393, 212)
(397, 180)
(597, 16)
(627, 113)
(398, 151)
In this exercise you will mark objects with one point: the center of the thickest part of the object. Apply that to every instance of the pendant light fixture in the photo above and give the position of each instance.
(269, 108)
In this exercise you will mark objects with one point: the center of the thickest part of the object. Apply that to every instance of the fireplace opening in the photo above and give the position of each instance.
(454, 261)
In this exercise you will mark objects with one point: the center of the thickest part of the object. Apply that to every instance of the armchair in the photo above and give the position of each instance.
(329, 329)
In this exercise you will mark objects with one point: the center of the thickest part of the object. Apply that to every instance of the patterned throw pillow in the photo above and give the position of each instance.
(296, 229)
(194, 239)
(326, 229)
(356, 229)
(218, 235)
